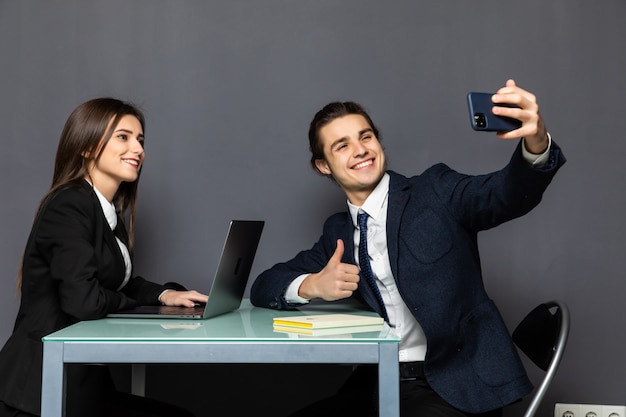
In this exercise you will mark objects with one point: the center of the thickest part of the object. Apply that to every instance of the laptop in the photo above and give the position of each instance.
(229, 283)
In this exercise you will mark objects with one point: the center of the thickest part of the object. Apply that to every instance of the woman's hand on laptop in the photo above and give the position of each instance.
(182, 298)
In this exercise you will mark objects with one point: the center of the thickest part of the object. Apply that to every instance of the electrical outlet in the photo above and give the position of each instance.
(566, 410)
(613, 411)
(589, 410)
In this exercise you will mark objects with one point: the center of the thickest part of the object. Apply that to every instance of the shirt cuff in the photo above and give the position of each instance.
(161, 295)
(291, 295)
(537, 160)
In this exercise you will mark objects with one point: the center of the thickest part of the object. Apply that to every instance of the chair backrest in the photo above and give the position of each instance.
(542, 336)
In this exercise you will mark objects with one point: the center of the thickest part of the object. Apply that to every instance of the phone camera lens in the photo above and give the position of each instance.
(480, 120)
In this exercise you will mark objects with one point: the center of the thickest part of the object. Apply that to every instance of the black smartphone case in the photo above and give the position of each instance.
(482, 118)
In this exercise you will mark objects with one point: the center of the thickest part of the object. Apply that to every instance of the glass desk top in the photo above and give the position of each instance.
(247, 324)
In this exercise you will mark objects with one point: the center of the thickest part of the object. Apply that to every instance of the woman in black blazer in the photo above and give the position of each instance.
(77, 262)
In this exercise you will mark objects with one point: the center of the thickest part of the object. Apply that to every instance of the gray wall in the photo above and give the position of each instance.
(230, 86)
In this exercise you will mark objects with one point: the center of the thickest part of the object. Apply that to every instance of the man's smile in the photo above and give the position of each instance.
(363, 164)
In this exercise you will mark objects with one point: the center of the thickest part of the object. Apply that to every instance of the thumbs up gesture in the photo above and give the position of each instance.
(336, 281)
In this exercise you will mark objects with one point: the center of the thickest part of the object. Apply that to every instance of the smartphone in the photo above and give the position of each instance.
(483, 119)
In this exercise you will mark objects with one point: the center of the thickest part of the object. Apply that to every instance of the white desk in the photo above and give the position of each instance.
(244, 336)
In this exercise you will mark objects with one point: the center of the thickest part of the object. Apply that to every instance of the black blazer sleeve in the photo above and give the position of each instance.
(73, 250)
(72, 269)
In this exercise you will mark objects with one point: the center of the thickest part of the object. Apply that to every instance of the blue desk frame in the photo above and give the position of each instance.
(115, 344)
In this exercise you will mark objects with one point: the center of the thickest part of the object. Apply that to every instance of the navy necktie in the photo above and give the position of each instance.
(364, 262)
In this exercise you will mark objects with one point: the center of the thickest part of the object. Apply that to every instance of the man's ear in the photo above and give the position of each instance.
(322, 166)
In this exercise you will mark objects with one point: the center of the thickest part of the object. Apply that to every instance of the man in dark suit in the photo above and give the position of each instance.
(417, 239)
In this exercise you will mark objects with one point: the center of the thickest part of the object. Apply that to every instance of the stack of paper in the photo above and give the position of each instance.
(320, 324)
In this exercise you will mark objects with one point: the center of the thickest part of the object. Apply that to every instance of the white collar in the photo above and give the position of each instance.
(374, 203)
(108, 208)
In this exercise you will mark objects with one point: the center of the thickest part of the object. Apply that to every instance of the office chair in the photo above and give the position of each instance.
(542, 336)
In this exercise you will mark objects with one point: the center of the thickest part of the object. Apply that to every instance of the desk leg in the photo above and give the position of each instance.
(138, 379)
(53, 381)
(388, 380)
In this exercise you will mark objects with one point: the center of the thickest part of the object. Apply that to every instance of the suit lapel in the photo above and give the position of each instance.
(346, 233)
(104, 235)
(120, 231)
(398, 199)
